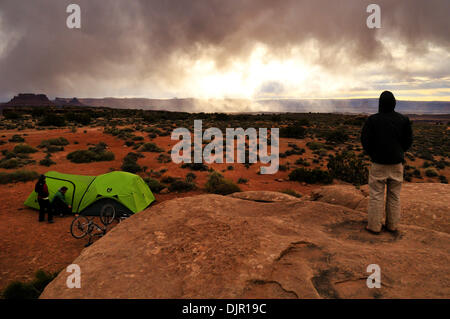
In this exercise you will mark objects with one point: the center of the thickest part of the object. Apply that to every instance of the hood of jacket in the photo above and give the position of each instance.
(387, 102)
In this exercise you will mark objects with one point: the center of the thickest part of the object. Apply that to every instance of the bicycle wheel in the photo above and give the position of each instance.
(107, 214)
(80, 227)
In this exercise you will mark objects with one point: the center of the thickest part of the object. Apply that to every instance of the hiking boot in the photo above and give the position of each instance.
(394, 232)
(371, 231)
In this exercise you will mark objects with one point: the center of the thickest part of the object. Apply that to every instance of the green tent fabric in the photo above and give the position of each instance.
(126, 188)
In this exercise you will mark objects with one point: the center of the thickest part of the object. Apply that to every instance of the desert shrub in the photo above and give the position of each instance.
(431, 172)
(311, 176)
(47, 161)
(150, 129)
(407, 176)
(131, 167)
(54, 149)
(24, 148)
(337, 136)
(163, 158)
(98, 148)
(11, 115)
(89, 156)
(443, 179)
(10, 163)
(96, 153)
(426, 164)
(29, 290)
(60, 141)
(18, 176)
(134, 156)
(168, 179)
(165, 133)
(190, 177)
(358, 121)
(154, 185)
(441, 164)
(291, 192)
(130, 163)
(416, 173)
(51, 119)
(16, 139)
(83, 118)
(156, 174)
(181, 186)
(8, 154)
(195, 166)
(302, 161)
(150, 147)
(293, 151)
(426, 155)
(217, 184)
(315, 145)
(410, 156)
(19, 291)
(293, 131)
(347, 167)
(320, 152)
(137, 138)
(242, 180)
(137, 145)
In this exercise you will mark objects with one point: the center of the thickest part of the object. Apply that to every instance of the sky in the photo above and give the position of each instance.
(246, 49)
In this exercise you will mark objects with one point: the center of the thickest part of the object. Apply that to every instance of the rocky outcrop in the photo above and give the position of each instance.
(29, 99)
(264, 196)
(212, 246)
(68, 102)
(423, 204)
(344, 195)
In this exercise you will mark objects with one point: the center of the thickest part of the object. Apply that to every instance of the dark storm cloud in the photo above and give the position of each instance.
(124, 42)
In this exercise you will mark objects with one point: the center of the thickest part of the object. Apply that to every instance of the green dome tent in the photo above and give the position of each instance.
(87, 194)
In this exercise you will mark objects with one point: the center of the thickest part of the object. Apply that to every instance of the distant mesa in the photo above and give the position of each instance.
(40, 100)
(29, 99)
(68, 102)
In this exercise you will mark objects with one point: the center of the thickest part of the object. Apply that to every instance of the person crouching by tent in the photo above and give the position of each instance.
(44, 204)
(59, 203)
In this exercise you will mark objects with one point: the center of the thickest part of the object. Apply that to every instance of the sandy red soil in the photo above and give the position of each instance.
(26, 245)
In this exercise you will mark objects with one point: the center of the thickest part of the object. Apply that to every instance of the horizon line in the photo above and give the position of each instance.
(237, 98)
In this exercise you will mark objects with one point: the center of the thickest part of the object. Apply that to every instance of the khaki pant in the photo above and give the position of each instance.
(380, 176)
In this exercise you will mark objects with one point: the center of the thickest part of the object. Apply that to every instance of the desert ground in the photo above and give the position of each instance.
(27, 246)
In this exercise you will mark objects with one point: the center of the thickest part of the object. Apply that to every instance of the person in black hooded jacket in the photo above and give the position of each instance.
(385, 137)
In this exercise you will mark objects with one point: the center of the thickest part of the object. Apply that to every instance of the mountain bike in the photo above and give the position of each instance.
(85, 226)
